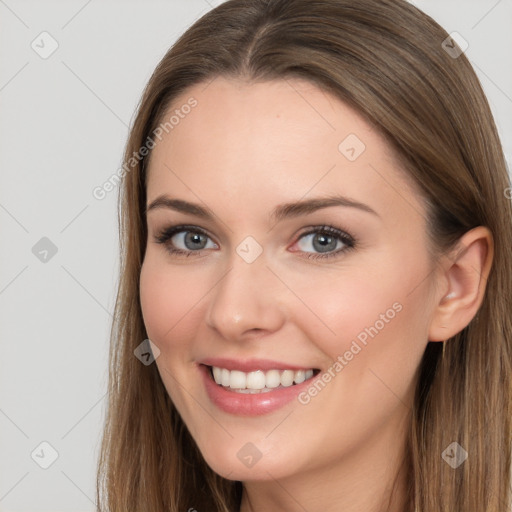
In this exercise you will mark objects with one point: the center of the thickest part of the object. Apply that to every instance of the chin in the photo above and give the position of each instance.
(244, 461)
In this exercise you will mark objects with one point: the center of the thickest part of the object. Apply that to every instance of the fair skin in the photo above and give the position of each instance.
(241, 152)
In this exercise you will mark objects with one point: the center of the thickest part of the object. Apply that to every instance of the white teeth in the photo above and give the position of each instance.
(300, 376)
(272, 378)
(255, 380)
(287, 378)
(217, 374)
(238, 379)
(253, 391)
(259, 381)
(225, 377)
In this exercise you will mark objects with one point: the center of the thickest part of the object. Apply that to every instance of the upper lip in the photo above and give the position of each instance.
(251, 365)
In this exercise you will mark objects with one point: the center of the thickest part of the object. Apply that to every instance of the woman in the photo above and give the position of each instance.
(315, 236)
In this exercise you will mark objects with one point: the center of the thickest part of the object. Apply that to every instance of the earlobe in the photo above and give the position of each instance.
(465, 278)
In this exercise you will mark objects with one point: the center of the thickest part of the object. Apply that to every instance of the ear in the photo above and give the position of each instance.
(462, 286)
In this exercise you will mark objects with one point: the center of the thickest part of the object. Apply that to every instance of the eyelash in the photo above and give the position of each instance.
(167, 233)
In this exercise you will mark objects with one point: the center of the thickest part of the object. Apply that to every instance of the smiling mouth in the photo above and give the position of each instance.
(259, 381)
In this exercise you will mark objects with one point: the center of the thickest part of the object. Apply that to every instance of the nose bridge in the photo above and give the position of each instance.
(245, 298)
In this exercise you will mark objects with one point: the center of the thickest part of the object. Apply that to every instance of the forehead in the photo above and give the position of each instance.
(277, 141)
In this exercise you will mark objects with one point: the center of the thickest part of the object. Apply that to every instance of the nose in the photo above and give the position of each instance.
(247, 301)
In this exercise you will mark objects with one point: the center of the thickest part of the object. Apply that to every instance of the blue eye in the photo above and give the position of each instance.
(185, 240)
(327, 241)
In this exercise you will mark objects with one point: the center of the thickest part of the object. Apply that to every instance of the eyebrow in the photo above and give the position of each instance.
(287, 210)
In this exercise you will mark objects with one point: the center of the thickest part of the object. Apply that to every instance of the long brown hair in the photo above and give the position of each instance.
(386, 59)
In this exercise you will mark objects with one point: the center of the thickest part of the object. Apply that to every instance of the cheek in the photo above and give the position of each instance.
(379, 307)
(337, 308)
(165, 301)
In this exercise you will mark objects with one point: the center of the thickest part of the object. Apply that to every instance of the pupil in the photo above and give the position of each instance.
(193, 238)
(326, 243)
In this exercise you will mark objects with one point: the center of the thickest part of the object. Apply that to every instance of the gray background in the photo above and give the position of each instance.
(64, 121)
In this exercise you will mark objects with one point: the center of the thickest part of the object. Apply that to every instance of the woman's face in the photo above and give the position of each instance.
(302, 249)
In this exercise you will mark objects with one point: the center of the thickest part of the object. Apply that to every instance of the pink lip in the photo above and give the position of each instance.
(250, 365)
(242, 404)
